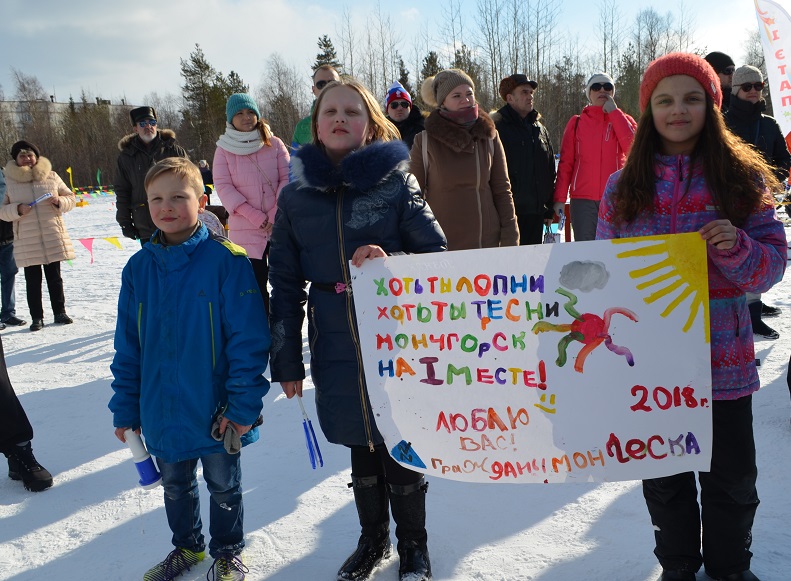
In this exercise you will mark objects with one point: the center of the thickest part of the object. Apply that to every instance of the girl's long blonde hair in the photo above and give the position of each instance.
(383, 129)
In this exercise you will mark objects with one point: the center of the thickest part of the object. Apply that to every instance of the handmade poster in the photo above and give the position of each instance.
(538, 364)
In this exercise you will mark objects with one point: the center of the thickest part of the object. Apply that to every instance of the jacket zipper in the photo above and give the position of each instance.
(676, 186)
(350, 320)
(478, 192)
(140, 324)
(315, 328)
(211, 328)
(577, 163)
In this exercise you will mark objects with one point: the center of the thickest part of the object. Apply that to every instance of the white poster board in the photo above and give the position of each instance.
(550, 363)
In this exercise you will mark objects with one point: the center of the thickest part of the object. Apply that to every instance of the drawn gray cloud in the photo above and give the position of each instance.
(584, 275)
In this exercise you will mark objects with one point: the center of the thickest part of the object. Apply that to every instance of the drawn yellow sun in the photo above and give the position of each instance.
(683, 273)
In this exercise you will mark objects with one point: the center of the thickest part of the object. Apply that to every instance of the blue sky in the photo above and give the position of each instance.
(131, 49)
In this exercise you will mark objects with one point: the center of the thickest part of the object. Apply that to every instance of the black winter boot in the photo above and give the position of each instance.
(409, 512)
(759, 327)
(22, 465)
(370, 496)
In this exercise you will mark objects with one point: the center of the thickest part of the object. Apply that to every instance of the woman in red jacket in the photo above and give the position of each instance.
(595, 144)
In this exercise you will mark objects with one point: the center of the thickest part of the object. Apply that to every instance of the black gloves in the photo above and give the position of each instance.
(130, 232)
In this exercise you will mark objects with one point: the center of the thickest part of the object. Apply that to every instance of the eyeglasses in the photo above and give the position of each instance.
(746, 87)
(149, 123)
(321, 84)
(600, 86)
(728, 70)
(397, 104)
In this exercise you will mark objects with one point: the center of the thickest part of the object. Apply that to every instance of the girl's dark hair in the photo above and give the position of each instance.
(739, 179)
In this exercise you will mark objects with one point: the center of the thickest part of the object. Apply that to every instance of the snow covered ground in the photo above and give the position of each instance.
(97, 523)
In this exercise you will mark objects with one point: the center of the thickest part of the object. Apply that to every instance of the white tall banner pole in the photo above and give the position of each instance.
(774, 27)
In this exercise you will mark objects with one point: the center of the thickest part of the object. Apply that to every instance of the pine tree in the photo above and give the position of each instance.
(431, 66)
(326, 55)
(205, 92)
(403, 75)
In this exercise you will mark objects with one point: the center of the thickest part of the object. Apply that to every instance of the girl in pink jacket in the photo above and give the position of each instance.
(250, 169)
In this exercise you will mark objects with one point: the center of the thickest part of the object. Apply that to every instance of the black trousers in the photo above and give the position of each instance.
(261, 271)
(531, 228)
(380, 463)
(15, 428)
(54, 285)
(728, 501)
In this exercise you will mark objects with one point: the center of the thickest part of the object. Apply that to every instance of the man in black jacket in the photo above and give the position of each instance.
(139, 151)
(529, 154)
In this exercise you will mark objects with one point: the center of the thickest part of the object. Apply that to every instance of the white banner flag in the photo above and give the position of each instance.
(774, 26)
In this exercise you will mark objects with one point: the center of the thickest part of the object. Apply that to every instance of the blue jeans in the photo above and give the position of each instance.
(223, 475)
(8, 272)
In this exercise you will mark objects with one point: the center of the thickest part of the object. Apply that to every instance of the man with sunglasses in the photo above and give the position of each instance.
(139, 151)
(746, 118)
(529, 155)
(402, 112)
(724, 66)
(321, 76)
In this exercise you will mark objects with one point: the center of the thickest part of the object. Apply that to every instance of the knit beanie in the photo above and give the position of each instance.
(680, 63)
(239, 101)
(746, 74)
(436, 88)
(599, 78)
(20, 145)
(719, 61)
(395, 92)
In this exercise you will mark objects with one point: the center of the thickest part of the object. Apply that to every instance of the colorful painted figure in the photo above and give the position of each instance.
(589, 329)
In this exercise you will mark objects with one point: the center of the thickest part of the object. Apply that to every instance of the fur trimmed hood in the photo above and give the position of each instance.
(455, 136)
(164, 135)
(361, 169)
(26, 174)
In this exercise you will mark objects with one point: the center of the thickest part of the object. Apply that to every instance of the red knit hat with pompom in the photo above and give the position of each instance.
(680, 63)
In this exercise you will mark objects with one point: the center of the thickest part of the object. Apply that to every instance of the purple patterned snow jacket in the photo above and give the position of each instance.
(754, 264)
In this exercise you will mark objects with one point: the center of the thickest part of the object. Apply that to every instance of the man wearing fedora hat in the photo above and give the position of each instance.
(139, 151)
(529, 154)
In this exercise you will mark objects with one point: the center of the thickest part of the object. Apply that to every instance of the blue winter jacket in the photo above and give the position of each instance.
(191, 337)
(322, 218)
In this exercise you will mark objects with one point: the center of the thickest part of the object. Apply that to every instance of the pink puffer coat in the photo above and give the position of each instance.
(248, 186)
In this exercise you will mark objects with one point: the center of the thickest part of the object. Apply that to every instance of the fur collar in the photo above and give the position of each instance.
(28, 174)
(163, 134)
(361, 169)
(457, 137)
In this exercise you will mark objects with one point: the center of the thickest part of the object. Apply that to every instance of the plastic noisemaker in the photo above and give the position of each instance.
(149, 475)
(310, 437)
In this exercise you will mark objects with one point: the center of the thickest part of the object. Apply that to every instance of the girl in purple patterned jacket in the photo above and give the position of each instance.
(686, 172)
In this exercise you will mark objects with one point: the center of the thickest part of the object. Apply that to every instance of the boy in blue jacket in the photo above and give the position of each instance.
(191, 345)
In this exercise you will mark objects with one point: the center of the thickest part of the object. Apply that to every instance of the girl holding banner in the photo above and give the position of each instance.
(351, 199)
(686, 172)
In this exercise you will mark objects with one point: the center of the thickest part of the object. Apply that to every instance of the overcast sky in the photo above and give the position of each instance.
(131, 49)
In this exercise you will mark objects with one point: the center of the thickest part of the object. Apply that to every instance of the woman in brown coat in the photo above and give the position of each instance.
(40, 236)
(460, 165)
